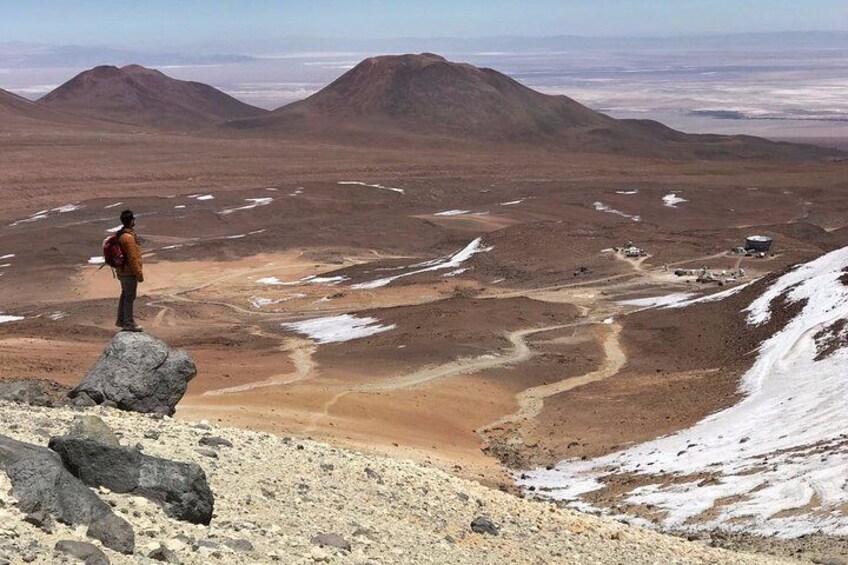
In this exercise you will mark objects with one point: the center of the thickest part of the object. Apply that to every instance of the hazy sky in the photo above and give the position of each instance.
(231, 23)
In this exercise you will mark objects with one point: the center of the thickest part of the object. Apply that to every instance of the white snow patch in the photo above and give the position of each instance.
(5, 318)
(780, 455)
(653, 301)
(115, 205)
(452, 213)
(451, 262)
(237, 236)
(7, 256)
(34, 218)
(115, 229)
(67, 208)
(270, 281)
(627, 192)
(456, 272)
(57, 315)
(202, 197)
(715, 297)
(672, 200)
(5, 265)
(179, 206)
(337, 329)
(513, 202)
(359, 183)
(97, 260)
(601, 207)
(175, 246)
(258, 301)
(253, 203)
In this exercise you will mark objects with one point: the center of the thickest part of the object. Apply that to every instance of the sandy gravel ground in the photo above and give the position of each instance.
(273, 495)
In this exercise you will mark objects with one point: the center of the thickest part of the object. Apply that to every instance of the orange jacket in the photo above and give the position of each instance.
(132, 252)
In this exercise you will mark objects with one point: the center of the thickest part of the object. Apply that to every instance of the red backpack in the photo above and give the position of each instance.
(113, 253)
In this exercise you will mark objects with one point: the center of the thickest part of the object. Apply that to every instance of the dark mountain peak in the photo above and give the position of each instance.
(138, 95)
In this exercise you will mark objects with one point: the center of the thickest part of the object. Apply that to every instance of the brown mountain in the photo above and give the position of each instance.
(427, 96)
(17, 112)
(142, 96)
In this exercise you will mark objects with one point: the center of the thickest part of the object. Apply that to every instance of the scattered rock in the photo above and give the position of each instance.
(86, 552)
(92, 427)
(206, 452)
(151, 434)
(180, 488)
(45, 491)
(140, 373)
(238, 544)
(164, 554)
(484, 525)
(373, 475)
(214, 441)
(331, 540)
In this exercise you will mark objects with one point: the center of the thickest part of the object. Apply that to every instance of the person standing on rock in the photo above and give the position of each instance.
(130, 273)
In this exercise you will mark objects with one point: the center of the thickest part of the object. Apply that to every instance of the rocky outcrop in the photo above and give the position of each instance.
(137, 372)
(87, 553)
(32, 392)
(46, 491)
(179, 488)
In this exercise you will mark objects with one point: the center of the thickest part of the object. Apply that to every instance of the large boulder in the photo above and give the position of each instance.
(138, 372)
(179, 488)
(46, 491)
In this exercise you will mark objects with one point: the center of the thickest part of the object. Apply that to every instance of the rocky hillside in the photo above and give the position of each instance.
(137, 95)
(283, 500)
(426, 96)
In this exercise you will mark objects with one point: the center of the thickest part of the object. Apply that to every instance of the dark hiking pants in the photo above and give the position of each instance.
(125, 304)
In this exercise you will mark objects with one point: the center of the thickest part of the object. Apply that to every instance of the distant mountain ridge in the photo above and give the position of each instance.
(427, 96)
(140, 96)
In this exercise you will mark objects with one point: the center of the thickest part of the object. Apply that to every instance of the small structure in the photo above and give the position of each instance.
(758, 243)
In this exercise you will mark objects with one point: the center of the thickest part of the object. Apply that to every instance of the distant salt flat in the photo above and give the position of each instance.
(338, 329)
(672, 200)
(252, 203)
(452, 213)
(451, 262)
(380, 186)
(601, 207)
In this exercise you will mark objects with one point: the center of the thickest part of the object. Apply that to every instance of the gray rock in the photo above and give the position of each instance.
(140, 373)
(92, 427)
(213, 441)
(237, 544)
(179, 488)
(81, 400)
(46, 491)
(373, 475)
(87, 553)
(25, 392)
(151, 434)
(331, 540)
(206, 452)
(164, 554)
(484, 525)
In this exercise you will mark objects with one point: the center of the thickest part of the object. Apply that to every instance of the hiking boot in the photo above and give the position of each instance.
(132, 328)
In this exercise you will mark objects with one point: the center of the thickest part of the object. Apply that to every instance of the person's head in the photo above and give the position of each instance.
(127, 218)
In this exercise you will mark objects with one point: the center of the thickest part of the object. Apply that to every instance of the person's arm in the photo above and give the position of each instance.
(133, 253)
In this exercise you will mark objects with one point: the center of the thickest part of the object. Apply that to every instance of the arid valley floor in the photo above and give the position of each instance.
(478, 316)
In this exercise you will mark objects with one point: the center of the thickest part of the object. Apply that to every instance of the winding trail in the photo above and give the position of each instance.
(520, 352)
(532, 400)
